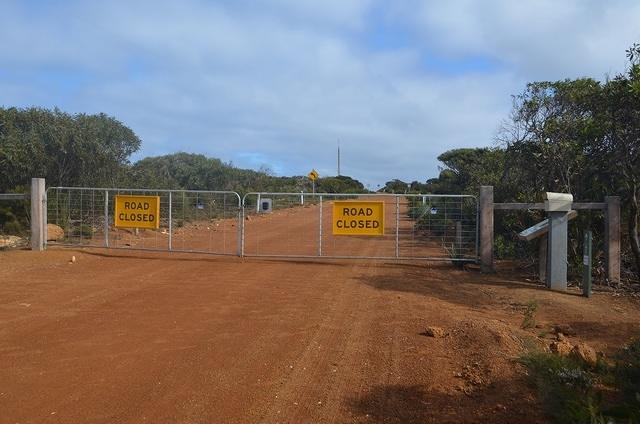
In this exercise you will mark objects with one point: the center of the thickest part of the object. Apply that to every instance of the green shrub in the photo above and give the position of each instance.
(13, 228)
(83, 230)
(529, 320)
(566, 389)
(627, 378)
(575, 392)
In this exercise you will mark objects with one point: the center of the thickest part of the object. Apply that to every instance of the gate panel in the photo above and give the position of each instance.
(291, 228)
(433, 227)
(357, 246)
(438, 226)
(190, 221)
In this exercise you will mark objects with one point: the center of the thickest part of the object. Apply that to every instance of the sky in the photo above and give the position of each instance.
(278, 84)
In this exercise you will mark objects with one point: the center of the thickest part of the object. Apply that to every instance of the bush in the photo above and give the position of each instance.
(627, 378)
(575, 392)
(13, 228)
(83, 230)
(565, 387)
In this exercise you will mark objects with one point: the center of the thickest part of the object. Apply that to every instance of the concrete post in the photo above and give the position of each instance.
(557, 251)
(38, 214)
(542, 258)
(612, 238)
(486, 229)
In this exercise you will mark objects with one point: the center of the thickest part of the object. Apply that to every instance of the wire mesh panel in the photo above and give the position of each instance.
(280, 224)
(438, 226)
(188, 221)
(415, 227)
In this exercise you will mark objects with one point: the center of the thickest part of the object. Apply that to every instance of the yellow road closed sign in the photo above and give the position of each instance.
(356, 218)
(137, 211)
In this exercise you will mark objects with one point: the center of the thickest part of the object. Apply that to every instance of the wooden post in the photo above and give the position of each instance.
(38, 214)
(612, 238)
(486, 229)
(458, 246)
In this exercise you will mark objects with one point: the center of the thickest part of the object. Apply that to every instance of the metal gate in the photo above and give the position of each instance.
(295, 225)
(189, 220)
(416, 226)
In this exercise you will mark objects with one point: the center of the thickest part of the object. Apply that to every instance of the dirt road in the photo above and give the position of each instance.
(123, 336)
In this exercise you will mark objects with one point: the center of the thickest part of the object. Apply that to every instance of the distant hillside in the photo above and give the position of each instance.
(198, 172)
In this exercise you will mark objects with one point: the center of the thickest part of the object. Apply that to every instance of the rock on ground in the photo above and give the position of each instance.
(54, 233)
(561, 348)
(434, 332)
(585, 353)
(11, 241)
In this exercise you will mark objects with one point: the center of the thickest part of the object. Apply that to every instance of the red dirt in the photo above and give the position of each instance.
(124, 336)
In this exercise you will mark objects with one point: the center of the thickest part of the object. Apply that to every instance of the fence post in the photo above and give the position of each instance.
(320, 230)
(397, 226)
(38, 214)
(586, 262)
(542, 258)
(170, 241)
(241, 214)
(486, 229)
(612, 238)
(106, 218)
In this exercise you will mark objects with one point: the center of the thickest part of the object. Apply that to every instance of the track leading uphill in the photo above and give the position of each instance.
(125, 336)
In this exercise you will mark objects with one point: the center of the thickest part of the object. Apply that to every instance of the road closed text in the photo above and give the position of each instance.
(137, 212)
(358, 218)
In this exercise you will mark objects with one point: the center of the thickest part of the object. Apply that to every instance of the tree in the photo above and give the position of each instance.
(467, 169)
(395, 186)
(66, 149)
(339, 184)
(621, 144)
(579, 136)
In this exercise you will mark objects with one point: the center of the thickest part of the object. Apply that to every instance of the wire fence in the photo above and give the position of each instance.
(188, 220)
(431, 227)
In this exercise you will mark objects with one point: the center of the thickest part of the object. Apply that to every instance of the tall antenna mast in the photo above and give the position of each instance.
(338, 157)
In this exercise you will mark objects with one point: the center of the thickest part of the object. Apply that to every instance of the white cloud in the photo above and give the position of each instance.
(537, 39)
(280, 82)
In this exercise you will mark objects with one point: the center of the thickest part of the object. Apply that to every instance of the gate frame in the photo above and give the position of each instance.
(397, 196)
(146, 190)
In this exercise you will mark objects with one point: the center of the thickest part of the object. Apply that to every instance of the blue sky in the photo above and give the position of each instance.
(277, 83)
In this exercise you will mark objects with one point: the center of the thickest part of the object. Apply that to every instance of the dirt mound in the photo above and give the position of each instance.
(478, 336)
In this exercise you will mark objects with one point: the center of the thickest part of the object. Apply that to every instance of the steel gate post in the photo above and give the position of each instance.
(170, 224)
(242, 206)
(397, 226)
(240, 227)
(320, 237)
(106, 218)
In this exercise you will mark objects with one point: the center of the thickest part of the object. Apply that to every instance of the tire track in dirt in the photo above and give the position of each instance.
(315, 389)
(198, 339)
